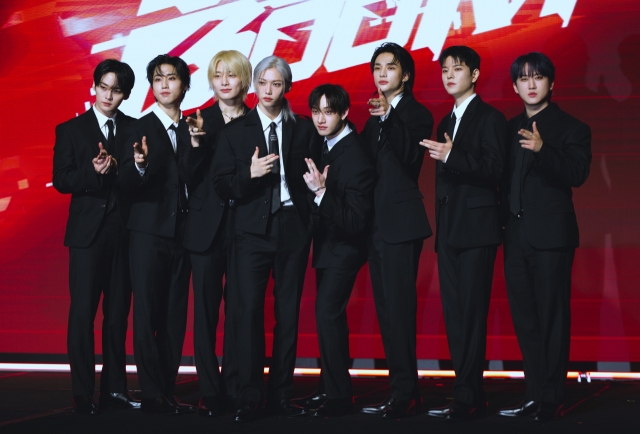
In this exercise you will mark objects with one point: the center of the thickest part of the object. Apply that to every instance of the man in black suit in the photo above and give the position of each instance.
(153, 148)
(259, 162)
(392, 135)
(469, 157)
(343, 185)
(550, 152)
(96, 237)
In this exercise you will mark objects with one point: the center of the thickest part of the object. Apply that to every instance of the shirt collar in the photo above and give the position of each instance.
(332, 142)
(102, 119)
(266, 121)
(397, 99)
(459, 111)
(164, 118)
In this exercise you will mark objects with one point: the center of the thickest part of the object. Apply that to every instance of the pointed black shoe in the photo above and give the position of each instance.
(460, 411)
(395, 409)
(524, 409)
(547, 412)
(210, 406)
(335, 407)
(247, 411)
(285, 408)
(311, 402)
(185, 408)
(84, 404)
(118, 400)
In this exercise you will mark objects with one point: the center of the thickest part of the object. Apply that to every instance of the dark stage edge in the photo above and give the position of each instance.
(41, 403)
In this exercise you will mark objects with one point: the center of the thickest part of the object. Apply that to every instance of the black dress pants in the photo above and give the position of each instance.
(101, 268)
(334, 289)
(394, 270)
(160, 269)
(539, 291)
(282, 252)
(465, 289)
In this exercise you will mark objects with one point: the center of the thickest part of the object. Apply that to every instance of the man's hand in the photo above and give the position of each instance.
(262, 166)
(140, 153)
(437, 150)
(314, 179)
(103, 162)
(532, 140)
(198, 122)
(380, 104)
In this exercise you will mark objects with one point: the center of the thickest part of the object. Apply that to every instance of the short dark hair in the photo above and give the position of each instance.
(181, 67)
(404, 59)
(461, 54)
(533, 64)
(337, 97)
(124, 74)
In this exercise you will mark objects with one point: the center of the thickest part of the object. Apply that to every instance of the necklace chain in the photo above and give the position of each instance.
(234, 117)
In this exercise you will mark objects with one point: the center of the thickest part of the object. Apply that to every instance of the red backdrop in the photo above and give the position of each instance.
(49, 50)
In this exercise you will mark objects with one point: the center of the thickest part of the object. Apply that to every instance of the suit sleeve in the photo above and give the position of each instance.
(67, 176)
(570, 161)
(232, 173)
(404, 136)
(493, 143)
(129, 178)
(349, 211)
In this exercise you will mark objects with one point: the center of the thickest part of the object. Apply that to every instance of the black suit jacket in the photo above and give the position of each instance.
(471, 174)
(76, 145)
(232, 169)
(206, 208)
(548, 176)
(339, 239)
(154, 196)
(399, 210)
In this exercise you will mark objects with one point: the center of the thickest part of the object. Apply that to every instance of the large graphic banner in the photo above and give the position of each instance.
(49, 50)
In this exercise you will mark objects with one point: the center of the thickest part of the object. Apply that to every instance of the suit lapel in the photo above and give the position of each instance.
(338, 148)
(93, 130)
(162, 133)
(287, 137)
(467, 118)
(256, 132)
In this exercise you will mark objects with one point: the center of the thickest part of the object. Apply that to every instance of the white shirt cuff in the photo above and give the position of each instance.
(318, 199)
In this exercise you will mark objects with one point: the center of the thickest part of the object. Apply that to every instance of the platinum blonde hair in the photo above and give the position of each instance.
(280, 65)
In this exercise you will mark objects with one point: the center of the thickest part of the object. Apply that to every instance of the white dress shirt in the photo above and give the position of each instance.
(166, 122)
(102, 122)
(285, 197)
(459, 111)
(330, 144)
(393, 104)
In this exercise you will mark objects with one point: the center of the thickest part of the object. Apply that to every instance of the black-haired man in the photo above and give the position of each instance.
(392, 135)
(550, 153)
(469, 157)
(160, 264)
(343, 186)
(85, 163)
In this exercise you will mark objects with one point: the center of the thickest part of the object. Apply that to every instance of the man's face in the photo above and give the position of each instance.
(167, 86)
(457, 78)
(327, 122)
(109, 96)
(387, 74)
(225, 84)
(270, 89)
(534, 90)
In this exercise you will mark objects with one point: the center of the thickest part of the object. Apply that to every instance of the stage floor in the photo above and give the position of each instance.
(41, 403)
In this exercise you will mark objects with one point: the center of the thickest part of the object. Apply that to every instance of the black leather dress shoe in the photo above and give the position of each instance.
(335, 407)
(285, 408)
(84, 404)
(460, 411)
(311, 402)
(118, 400)
(186, 408)
(394, 408)
(247, 411)
(524, 409)
(547, 412)
(210, 406)
(160, 405)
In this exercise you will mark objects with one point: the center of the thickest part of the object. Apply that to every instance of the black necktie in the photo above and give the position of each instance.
(441, 185)
(182, 192)
(111, 137)
(275, 170)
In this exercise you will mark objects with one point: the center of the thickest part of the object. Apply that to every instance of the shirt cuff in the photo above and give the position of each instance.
(318, 199)
(141, 170)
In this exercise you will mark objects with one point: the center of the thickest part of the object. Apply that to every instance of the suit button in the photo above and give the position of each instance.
(221, 203)
(173, 214)
(264, 216)
(266, 201)
(102, 206)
